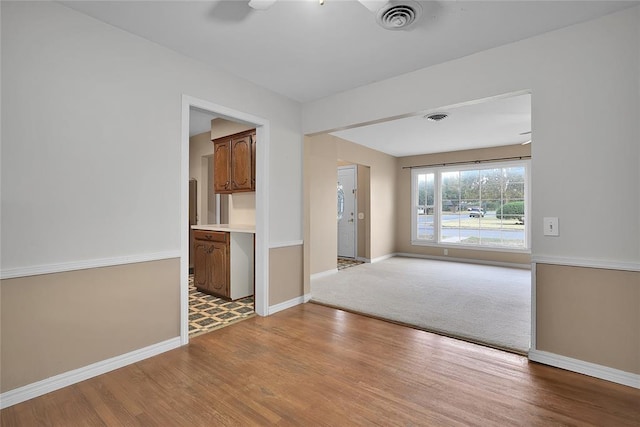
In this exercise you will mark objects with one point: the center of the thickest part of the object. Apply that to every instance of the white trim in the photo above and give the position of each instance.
(286, 244)
(35, 270)
(466, 260)
(363, 259)
(449, 245)
(307, 297)
(586, 368)
(589, 263)
(533, 340)
(383, 257)
(288, 304)
(263, 135)
(65, 379)
(324, 273)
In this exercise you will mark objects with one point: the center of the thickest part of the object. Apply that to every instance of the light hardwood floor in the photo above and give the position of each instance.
(313, 365)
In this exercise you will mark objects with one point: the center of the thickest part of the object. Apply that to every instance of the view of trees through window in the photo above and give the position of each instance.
(471, 206)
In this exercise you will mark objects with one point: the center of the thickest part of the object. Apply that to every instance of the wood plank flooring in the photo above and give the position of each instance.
(314, 365)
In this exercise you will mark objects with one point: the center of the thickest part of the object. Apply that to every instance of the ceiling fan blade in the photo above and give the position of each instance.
(261, 4)
(373, 5)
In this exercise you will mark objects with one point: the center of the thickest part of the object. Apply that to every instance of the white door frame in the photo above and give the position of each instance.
(355, 208)
(262, 206)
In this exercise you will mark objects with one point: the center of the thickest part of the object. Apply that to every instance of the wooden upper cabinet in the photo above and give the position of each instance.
(253, 162)
(241, 163)
(234, 163)
(222, 166)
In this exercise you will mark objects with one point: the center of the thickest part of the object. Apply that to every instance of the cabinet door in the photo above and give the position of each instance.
(221, 166)
(202, 264)
(220, 269)
(253, 162)
(241, 163)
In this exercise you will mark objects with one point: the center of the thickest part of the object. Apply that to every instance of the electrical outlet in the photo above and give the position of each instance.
(446, 251)
(550, 226)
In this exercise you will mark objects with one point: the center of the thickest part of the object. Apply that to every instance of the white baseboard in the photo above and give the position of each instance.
(288, 304)
(324, 273)
(586, 368)
(307, 298)
(367, 260)
(383, 257)
(65, 379)
(467, 260)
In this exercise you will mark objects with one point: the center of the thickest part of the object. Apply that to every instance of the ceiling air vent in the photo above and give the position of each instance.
(436, 117)
(398, 15)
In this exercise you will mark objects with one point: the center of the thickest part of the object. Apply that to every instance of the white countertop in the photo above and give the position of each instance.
(232, 228)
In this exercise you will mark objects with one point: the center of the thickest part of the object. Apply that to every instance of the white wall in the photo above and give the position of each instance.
(91, 139)
(585, 113)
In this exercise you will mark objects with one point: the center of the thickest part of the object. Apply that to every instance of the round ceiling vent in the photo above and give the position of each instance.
(398, 15)
(436, 117)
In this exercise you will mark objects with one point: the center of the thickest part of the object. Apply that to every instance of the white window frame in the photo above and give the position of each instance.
(438, 171)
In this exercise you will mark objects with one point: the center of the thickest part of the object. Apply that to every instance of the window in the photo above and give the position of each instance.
(473, 206)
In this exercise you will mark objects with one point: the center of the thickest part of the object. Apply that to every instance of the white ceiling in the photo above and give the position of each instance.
(199, 121)
(475, 125)
(306, 51)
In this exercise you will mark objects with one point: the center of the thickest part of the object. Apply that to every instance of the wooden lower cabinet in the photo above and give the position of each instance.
(223, 263)
(211, 262)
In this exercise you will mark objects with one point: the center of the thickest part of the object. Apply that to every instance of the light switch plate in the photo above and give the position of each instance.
(550, 226)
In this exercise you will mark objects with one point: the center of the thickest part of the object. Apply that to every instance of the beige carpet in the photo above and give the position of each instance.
(479, 303)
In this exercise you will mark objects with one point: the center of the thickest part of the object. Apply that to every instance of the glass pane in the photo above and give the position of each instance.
(340, 201)
(469, 188)
(450, 191)
(424, 210)
(425, 224)
(483, 207)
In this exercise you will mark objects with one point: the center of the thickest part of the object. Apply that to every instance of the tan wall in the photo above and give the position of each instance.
(320, 162)
(223, 127)
(321, 155)
(285, 274)
(58, 322)
(242, 208)
(364, 207)
(589, 314)
(403, 225)
(200, 147)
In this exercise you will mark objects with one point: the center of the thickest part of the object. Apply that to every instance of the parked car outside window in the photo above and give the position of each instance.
(476, 212)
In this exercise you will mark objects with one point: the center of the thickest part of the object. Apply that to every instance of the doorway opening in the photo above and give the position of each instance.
(209, 311)
(261, 125)
(413, 223)
(347, 189)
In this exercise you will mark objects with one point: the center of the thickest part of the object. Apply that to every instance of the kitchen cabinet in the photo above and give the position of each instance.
(222, 166)
(234, 163)
(224, 260)
(211, 262)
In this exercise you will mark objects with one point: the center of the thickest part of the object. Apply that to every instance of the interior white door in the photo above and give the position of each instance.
(346, 198)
